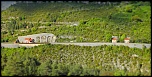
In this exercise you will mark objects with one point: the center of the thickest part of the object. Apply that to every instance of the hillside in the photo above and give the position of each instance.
(58, 60)
(98, 22)
(6, 4)
(77, 21)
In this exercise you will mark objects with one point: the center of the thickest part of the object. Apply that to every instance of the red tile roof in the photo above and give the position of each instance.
(29, 39)
(126, 39)
(114, 39)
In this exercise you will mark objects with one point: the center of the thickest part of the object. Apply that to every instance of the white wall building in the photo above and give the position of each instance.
(114, 40)
(126, 40)
(39, 38)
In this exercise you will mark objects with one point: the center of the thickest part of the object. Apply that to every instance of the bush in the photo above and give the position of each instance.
(120, 73)
(6, 40)
(136, 18)
(83, 22)
(4, 32)
(129, 9)
(24, 48)
(48, 24)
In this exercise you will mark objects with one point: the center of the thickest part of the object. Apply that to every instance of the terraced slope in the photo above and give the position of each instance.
(97, 22)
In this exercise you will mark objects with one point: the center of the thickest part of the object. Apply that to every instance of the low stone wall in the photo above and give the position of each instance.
(29, 45)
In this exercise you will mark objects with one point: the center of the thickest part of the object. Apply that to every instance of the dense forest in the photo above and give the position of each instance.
(57, 60)
(97, 22)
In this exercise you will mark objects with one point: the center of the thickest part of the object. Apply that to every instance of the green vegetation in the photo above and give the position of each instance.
(97, 22)
(94, 23)
(54, 60)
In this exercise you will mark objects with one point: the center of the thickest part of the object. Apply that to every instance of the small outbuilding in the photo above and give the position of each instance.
(114, 40)
(127, 40)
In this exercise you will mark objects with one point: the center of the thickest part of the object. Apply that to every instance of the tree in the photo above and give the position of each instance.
(143, 47)
(3, 61)
(16, 26)
(128, 9)
(75, 70)
(109, 16)
(20, 18)
(104, 23)
(24, 25)
(13, 22)
(136, 18)
(10, 27)
(13, 67)
(120, 73)
(83, 22)
(54, 69)
(23, 17)
(45, 69)
(122, 38)
(30, 25)
(48, 24)
(63, 69)
(30, 66)
(108, 37)
(29, 31)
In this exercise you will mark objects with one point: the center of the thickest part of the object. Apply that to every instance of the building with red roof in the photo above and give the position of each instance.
(28, 40)
(127, 40)
(114, 40)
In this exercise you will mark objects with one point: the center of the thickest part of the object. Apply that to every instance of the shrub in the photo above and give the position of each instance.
(136, 18)
(120, 73)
